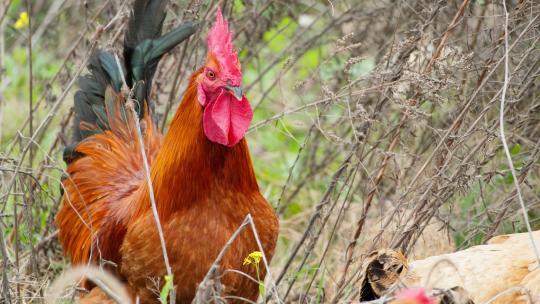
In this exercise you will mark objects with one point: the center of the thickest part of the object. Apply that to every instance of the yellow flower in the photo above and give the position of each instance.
(253, 258)
(23, 21)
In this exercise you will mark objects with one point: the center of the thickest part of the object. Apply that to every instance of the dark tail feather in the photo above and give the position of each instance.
(145, 58)
(146, 22)
(143, 48)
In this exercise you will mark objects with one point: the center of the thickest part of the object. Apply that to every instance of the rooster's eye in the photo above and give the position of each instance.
(211, 75)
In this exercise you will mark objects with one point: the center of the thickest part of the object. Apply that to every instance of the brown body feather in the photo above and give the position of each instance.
(203, 193)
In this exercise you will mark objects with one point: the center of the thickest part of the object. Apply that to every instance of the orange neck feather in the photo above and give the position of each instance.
(189, 167)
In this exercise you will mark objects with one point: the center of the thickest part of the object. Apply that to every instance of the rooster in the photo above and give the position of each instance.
(201, 172)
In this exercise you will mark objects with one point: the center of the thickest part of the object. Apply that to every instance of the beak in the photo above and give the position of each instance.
(235, 91)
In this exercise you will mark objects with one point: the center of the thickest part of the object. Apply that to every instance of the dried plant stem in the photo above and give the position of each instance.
(464, 110)
(446, 34)
(129, 105)
(29, 194)
(406, 95)
(205, 287)
(104, 280)
(5, 11)
(53, 109)
(503, 137)
(5, 263)
(57, 76)
(153, 201)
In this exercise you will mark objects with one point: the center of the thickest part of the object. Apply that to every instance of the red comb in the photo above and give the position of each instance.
(417, 294)
(220, 44)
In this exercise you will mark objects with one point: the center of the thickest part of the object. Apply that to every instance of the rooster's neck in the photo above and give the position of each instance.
(189, 167)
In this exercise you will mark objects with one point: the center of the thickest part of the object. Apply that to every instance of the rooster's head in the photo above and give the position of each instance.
(227, 112)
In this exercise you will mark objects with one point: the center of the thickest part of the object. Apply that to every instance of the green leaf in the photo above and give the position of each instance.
(308, 62)
(320, 287)
(238, 6)
(509, 178)
(294, 208)
(262, 289)
(280, 36)
(515, 149)
(166, 289)
(311, 59)
(362, 68)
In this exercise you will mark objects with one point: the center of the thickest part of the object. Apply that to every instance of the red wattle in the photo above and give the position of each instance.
(226, 120)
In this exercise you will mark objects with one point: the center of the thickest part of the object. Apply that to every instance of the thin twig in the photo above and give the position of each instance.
(503, 137)
(129, 105)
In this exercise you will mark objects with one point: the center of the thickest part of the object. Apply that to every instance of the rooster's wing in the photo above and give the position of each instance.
(102, 186)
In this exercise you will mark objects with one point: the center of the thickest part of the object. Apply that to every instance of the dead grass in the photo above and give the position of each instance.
(376, 125)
